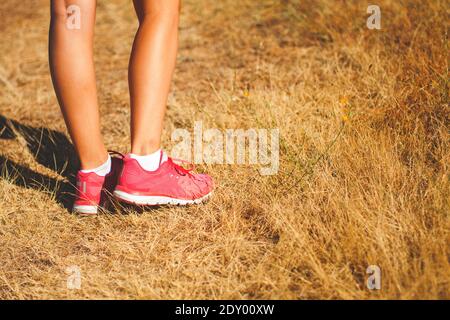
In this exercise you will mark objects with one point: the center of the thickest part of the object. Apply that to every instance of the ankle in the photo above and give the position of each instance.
(145, 149)
(150, 162)
(94, 162)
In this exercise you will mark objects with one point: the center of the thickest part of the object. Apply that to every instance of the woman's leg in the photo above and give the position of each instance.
(150, 72)
(73, 74)
(150, 177)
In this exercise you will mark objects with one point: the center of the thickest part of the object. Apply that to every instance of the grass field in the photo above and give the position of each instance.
(364, 156)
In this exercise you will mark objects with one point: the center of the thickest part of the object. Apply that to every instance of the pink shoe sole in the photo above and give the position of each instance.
(157, 200)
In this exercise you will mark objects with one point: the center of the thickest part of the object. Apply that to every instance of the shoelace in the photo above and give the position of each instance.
(183, 171)
(180, 169)
(116, 153)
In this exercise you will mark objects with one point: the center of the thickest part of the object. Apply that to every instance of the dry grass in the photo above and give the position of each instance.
(378, 195)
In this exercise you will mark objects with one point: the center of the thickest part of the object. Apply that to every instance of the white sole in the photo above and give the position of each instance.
(157, 200)
(85, 209)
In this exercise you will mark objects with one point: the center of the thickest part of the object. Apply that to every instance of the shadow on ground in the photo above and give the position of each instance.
(51, 149)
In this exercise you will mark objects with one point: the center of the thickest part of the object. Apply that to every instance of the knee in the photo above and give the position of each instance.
(59, 11)
(62, 10)
(168, 12)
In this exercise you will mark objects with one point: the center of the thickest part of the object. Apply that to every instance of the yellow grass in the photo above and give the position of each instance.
(364, 156)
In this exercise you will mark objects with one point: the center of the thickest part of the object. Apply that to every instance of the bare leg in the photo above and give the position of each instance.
(150, 72)
(72, 68)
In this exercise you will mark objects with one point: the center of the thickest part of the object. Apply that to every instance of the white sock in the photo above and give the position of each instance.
(102, 170)
(150, 162)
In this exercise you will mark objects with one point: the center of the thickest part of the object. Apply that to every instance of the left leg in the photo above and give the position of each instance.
(73, 74)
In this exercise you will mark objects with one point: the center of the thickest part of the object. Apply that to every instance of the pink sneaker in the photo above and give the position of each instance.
(93, 190)
(169, 184)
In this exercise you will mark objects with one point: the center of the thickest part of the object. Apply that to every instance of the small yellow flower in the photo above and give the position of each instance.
(434, 84)
(345, 117)
(246, 93)
(343, 101)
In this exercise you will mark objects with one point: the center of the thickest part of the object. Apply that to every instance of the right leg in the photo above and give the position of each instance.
(73, 74)
(152, 63)
(150, 177)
